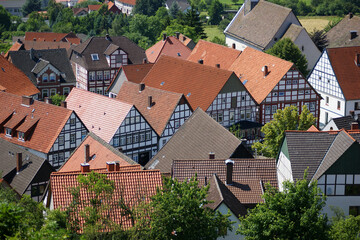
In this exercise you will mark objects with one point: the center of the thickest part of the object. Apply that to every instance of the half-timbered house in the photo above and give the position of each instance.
(165, 111)
(46, 130)
(96, 61)
(118, 123)
(336, 77)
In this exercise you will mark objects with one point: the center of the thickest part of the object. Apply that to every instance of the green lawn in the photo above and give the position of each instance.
(213, 31)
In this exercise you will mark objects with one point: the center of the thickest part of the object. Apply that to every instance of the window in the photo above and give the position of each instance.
(307, 91)
(91, 75)
(248, 114)
(142, 137)
(129, 139)
(116, 142)
(295, 82)
(148, 135)
(137, 119)
(83, 134)
(275, 94)
(220, 117)
(357, 106)
(163, 141)
(267, 109)
(352, 190)
(95, 57)
(136, 138)
(106, 74)
(118, 58)
(99, 90)
(52, 92)
(288, 82)
(233, 102)
(52, 77)
(99, 75)
(122, 140)
(8, 132)
(177, 123)
(66, 91)
(312, 106)
(45, 93)
(242, 114)
(274, 109)
(72, 138)
(61, 157)
(338, 105)
(326, 117)
(61, 140)
(281, 94)
(327, 101)
(92, 90)
(21, 135)
(127, 120)
(232, 116)
(72, 122)
(37, 190)
(45, 77)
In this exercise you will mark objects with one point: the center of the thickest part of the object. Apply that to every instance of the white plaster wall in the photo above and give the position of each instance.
(125, 8)
(330, 125)
(350, 106)
(344, 202)
(120, 79)
(311, 52)
(239, 45)
(330, 108)
(284, 170)
(231, 234)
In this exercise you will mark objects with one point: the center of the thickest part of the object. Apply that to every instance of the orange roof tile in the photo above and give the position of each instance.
(44, 36)
(343, 62)
(100, 114)
(313, 129)
(184, 39)
(171, 46)
(130, 2)
(164, 105)
(51, 121)
(94, 7)
(188, 78)
(15, 47)
(100, 153)
(14, 80)
(132, 186)
(248, 66)
(212, 54)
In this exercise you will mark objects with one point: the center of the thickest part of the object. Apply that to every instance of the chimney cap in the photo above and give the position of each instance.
(229, 161)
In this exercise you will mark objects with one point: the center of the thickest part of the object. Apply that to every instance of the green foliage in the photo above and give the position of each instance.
(85, 4)
(345, 228)
(294, 213)
(10, 219)
(148, 7)
(177, 212)
(4, 47)
(332, 23)
(215, 11)
(5, 20)
(177, 27)
(285, 119)
(30, 6)
(174, 9)
(218, 41)
(287, 50)
(192, 19)
(223, 24)
(57, 99)
(319, 38)
(35, 23)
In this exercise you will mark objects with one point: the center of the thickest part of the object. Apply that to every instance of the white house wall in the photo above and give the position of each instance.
(118, 81)
(124, 8)
(81, 77)
(350, 106)
(330, 126)
(239, 45)
(231, 235)
(284, 170)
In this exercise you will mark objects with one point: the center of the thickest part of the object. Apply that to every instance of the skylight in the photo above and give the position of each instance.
(188, 95)
(245, 81)
(95, 57)
(162, 83)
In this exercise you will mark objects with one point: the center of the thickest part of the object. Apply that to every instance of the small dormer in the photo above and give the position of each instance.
(115, 56)
(26, 128)
(11, 126)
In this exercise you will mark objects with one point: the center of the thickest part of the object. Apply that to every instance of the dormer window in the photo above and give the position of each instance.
(8, 132)
(95, 57)
(52, 77)
(45, 77)
(21, 136)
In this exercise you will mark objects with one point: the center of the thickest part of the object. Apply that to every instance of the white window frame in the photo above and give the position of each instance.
(8, 132)
(52, 91)
(45, 77)
(52, 77)
(95, 57)
(21, 136)
(92, 75)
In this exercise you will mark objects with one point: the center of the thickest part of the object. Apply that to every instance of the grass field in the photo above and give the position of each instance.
(315, 22)
(213, 31)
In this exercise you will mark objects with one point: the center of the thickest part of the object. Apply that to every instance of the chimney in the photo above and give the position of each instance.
(229, 171)
(354, 126)
(353, 34)
(211, 155)
(85, 167)
(26, 100)
(234, 46)
(48, 100)
(352, 113)
(18, 162)
(177, 35)
(150, 103)
(350, 15)
(107, 37)
(217, 65)
(110, 166)
(144, 61)
(141, 87)
(32, 56)
(117, 166)
(34, 39)
(63, 104)
(205, 181)
(201, 61)
(164, 36)
(265, 70)
(120, 149)
(87, 153)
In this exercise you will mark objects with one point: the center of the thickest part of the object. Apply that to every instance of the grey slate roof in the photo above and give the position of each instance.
(100, 45)
(293, 32)
(259, 26)
(56, 57)
(339, 36)
(183, 4)
(31, 166)
(344, 122)
(40, 66)
(195, 139)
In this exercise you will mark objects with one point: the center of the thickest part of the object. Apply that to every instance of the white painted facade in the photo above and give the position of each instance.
(124, 7)
(284, 171)
(231, 235)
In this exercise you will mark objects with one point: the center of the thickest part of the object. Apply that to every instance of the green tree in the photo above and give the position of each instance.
(285, 119)
(148, 7)
(215, 11)
(319, 38)
(192, 19)
(218, 40)
(287, 50)
(174, 9)
(178, 212)
(294, 213)
(5, 20)
(346, 228)
(30, 6)
(57, 99)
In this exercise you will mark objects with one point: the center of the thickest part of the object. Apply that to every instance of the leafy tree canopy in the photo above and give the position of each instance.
(294, 213)
(30, 6)
(215, 11)
(5, 20)
(147, 7)
(319, 38)
(287, 50)
(285, 119)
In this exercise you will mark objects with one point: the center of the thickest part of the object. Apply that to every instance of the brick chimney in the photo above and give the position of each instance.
(211, 155)
(117, 166)
(177, 35)
(150, 102)
(26, 100)
(354, 126)
(18, 162)
(63, 104)
(47, 100)
(229, 171)
(85, 167)
(265, 70)
(87, 153)
(201, 61)
(141, 87)
(110, 166)
(351, 15)
(164, 37)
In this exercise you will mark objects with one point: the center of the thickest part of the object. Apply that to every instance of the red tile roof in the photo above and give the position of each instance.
(249, 175)
(130, 2)
(212, 54)
(100, 114)
(171, 46)
(100, 153)
(132, 186)
(13, 80)
(248, 66)
(94, 7)
(51, 121)
(313, 128)
(164, 103)
(15, 47)
(52, 37)
(188, 78)
(343, 62)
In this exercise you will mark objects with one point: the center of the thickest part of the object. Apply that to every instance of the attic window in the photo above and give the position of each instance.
(179, 54)
(188, 95)
(95, 57)
(8, 132)
(3, 69)
(245, 81)
(162, 83)
(21, 136)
